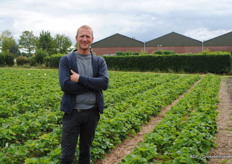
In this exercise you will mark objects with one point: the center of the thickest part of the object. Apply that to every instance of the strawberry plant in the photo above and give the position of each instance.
(30, 118)
(188, 129)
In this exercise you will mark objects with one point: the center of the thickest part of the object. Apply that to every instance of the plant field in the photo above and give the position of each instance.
(30, 117)
(186, 134)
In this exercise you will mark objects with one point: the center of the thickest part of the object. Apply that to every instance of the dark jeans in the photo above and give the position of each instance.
(78, 124)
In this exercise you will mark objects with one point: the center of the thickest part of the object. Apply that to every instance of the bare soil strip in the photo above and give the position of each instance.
(223, 152)
(127, 146)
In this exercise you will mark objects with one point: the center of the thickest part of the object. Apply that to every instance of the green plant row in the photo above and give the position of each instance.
(157, 88)
(32, 145)
(28, 125)
(109, 113)
(25, 90)
(20, 127)
(30, 90)
(45, 147)
(143, 83)
(186, 133)
(46, 144)
(112, 131)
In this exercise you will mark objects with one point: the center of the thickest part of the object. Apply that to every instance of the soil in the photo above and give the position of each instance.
(222, 153)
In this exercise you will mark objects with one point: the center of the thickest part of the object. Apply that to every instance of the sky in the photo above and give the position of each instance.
(143, 20)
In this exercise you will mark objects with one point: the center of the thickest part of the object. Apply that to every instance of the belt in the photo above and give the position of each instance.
(86, 110)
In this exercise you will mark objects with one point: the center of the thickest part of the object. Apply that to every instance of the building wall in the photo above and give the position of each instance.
(172, 42)
(218, 48)
(195, 49)
(113, 50)
(149, 50)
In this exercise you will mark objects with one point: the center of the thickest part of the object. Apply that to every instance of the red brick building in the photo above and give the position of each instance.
(172, 42)
(116, 43)
(220, 43)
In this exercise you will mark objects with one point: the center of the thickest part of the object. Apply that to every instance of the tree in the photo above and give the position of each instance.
(62, 43)
(28, 42)
(46, 42)
(15, 50)
(7, 41)
(5, 34)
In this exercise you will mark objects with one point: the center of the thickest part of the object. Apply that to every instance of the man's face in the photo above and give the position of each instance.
(84, 38)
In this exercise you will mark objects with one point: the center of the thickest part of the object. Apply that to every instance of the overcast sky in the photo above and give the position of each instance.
(143, 20)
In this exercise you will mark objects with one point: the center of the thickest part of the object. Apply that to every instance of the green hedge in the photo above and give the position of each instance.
(54, 60)
(6, 59)
(188, 63)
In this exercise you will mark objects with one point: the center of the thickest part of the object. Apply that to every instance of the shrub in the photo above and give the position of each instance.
(127, 53)
(40, 55)
(208, 52)
(2, 59)
(32, 61)
(119, 53)
(47, 61)
(163, 52)
(9, 59)
(21, 60)
(55, 60)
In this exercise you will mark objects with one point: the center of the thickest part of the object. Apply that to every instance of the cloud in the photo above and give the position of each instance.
(204, 34)
(142, 20)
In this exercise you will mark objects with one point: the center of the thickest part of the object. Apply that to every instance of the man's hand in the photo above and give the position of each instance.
(74, 77)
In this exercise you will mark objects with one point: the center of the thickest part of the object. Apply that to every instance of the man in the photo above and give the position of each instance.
(82, 77)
